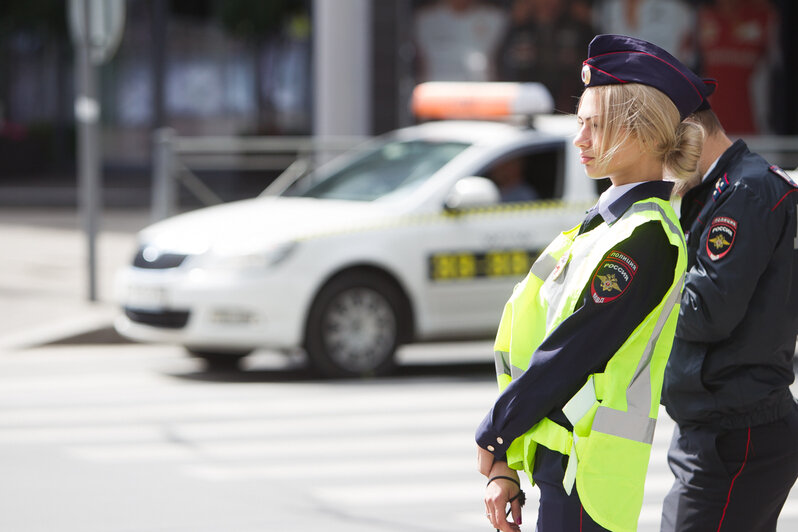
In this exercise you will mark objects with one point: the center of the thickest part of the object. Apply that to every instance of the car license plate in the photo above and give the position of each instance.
(147, 297)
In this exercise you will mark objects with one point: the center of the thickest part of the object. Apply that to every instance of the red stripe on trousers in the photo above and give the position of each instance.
(728, 497)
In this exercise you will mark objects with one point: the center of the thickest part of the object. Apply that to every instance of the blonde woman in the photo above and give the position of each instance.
(584, 339)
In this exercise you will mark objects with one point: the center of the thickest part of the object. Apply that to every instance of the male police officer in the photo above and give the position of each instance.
(735, 448)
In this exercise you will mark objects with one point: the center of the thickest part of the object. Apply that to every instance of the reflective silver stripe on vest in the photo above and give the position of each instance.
(624, 424)
(543, 266)
(651, 206)
(638, 395)
(635, 424)
(503, 366)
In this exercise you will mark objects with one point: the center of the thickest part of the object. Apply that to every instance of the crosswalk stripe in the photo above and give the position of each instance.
(658, 484)
(338, 472)
(266, 427)
(325, 405)
(377, 493)
(41, 435)
(289, 450)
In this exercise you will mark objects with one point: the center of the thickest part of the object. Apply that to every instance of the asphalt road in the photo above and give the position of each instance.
(123, 437)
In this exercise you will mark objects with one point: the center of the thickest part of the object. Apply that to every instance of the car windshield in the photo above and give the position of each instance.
(391, 167)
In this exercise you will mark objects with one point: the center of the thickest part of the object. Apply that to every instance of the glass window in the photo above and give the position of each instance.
(529, 176)
(392, 167)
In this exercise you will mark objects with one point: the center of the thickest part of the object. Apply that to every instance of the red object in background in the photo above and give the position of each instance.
(12, 131)
(735, 38)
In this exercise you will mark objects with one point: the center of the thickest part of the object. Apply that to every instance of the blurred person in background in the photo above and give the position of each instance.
(509, 177)
(738, 47)
(666, 23)
(456, 40)
(545, 43)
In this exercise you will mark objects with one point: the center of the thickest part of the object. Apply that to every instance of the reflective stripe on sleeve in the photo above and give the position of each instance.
(543, 266)
(651, 206)
(504, 366)
(502, 359)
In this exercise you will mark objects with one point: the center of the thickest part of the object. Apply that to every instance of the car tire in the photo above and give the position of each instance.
(355, 325)
(218, 360)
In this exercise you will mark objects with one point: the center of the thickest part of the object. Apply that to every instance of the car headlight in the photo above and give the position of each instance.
(258, 259)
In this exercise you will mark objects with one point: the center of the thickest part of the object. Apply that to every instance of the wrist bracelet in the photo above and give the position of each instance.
(503, 477)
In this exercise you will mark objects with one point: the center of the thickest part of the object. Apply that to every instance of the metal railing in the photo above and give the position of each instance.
(177, 158)
(780, 150)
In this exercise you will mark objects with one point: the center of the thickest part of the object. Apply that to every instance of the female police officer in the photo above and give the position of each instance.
(584, 338)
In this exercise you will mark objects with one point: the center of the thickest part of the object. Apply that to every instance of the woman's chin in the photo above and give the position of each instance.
(593, 174)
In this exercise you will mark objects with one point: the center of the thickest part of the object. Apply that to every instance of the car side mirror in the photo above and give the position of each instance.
(470, 192)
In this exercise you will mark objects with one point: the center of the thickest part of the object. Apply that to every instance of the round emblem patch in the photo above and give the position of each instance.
(721, 235)
(612, 277)
(586, 74)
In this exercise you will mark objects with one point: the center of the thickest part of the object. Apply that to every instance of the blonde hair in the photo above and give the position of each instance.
(636, 111)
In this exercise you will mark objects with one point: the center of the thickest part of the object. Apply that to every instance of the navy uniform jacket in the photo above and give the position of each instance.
(585, 341)
(731, 363)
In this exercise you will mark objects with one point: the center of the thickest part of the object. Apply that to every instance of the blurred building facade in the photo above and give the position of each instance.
(243, 67)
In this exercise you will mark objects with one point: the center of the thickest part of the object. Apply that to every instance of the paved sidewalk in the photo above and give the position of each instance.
(44, 287)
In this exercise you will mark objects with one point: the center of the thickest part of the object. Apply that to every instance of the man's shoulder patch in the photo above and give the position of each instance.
(722, 231)
(720, 186)
(784, 175)
(613, 276)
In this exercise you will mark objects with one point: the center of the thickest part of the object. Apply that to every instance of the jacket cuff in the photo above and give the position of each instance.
(488, 438)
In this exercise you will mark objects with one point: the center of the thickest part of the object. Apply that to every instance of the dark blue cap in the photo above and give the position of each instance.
(709, 87)
(617, 59)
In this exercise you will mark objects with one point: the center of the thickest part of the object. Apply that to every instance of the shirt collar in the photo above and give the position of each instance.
(732, 152)
(709, 172)
(614, 201)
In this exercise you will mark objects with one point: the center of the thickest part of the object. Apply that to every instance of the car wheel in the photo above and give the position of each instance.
(218, 360)
(354, 325)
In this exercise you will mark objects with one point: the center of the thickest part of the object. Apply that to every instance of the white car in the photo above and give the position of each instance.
(405, 240)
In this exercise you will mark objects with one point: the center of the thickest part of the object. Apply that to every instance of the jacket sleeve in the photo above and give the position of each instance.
(583, 343)
(734, 249)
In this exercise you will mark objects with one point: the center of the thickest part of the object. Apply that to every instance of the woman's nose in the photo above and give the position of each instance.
(581, 140)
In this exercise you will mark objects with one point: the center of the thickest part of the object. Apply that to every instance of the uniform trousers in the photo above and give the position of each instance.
(558, 511)
(730, 480)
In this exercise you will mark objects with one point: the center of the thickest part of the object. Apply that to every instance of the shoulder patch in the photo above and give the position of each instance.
(720, 239)
(784, 175)
(720, 185)
(612, 277)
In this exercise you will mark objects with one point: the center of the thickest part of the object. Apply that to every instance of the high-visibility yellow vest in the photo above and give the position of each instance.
(615, 412)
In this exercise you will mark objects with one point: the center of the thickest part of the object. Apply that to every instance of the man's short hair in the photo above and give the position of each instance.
(709, 120)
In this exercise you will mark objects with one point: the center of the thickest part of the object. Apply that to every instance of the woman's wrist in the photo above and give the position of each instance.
(500, 468)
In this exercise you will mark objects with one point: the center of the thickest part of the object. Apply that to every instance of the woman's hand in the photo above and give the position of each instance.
(498, 493)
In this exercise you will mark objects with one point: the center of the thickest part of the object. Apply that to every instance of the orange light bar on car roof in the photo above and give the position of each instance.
(486, 101)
